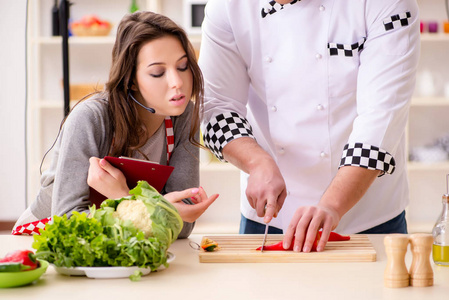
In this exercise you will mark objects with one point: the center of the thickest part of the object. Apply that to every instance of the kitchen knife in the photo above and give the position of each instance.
(266, 230)
(264, 237)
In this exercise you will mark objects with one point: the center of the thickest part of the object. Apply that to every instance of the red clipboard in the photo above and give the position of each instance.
(134, 170)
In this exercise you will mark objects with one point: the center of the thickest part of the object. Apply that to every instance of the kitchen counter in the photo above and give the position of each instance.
(187, 278)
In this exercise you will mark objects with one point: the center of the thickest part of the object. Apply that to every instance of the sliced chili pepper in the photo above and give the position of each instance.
(24, 257)
(333, 237)
(209, 245)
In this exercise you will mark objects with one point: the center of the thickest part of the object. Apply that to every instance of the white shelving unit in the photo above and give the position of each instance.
(89, 64)
(429, 120)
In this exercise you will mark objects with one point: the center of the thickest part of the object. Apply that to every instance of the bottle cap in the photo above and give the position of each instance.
(446, 198)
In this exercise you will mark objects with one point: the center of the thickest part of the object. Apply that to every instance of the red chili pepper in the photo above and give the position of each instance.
(25, 257)
(333, 237)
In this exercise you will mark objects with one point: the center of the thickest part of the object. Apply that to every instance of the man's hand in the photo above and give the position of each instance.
(266, 189)
(305, 224)
(345, 190)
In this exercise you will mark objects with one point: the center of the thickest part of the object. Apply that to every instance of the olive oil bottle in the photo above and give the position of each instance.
(440, 232)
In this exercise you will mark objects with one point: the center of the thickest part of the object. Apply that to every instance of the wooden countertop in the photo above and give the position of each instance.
(187, 278)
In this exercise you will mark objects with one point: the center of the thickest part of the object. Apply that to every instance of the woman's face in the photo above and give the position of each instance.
(164, 79)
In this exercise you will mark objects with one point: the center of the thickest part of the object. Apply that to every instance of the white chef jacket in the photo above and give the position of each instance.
(319, 84)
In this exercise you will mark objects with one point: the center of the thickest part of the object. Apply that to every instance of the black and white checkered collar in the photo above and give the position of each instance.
(272, 6)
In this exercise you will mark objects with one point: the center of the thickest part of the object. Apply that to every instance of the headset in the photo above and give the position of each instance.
(151, 110)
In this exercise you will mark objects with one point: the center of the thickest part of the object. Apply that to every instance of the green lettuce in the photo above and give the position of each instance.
(102, 239)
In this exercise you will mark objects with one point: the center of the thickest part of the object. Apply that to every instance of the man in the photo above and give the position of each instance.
(310, 100)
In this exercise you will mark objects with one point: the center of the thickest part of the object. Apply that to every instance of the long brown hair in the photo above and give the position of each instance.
(133, 32)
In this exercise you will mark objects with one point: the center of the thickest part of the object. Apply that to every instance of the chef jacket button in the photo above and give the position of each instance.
(322, 8)
(281, 151)
(320, 107)
(322, 154)
(274, 108)
(318, 56)
(268, 59)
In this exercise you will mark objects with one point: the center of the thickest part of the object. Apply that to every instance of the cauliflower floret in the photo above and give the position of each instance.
(137, 213)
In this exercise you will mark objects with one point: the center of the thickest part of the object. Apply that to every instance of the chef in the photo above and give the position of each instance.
(310, 100)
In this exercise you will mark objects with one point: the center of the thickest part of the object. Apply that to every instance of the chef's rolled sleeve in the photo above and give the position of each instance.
(369, 157)
(226, 81)
(386, 77)
(224, 128)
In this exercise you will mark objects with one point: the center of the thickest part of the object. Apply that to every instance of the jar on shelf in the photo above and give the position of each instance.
(440, 232)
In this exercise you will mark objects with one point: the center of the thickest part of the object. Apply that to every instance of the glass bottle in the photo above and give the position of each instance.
(440, 233)
(133, 7)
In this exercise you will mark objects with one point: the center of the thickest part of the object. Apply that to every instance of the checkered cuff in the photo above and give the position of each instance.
(367, 156)
(223, 129)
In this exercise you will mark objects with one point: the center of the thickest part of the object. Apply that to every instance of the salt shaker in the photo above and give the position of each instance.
(396, 274)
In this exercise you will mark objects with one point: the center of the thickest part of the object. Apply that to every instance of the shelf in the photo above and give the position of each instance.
(49, 104)
(430, 101)
(435, 37)
(428, 166)
(94, 40)
(74, 40)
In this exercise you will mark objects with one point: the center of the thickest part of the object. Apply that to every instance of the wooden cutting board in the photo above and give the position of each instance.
(242, 249)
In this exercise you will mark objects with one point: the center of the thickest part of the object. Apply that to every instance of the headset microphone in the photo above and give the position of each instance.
(151, 110)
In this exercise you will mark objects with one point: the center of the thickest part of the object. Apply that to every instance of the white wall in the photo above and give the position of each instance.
(12, 108)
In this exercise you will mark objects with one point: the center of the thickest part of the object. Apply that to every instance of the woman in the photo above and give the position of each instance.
(146, 103)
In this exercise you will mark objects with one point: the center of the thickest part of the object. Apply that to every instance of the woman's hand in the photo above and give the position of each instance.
(106, 179)
(189, 213)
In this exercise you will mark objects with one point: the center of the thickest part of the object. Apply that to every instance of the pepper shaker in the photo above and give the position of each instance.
(396, 274)
(421, 273)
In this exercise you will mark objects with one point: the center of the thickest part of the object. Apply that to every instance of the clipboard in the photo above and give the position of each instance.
(134, 170)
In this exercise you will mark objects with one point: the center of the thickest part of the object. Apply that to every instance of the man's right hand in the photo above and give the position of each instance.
(266, 189)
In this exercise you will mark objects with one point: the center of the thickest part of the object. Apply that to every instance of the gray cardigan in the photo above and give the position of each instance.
(86, 133)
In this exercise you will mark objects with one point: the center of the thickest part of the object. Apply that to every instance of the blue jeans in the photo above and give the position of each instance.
(396, 225)
(248, 226)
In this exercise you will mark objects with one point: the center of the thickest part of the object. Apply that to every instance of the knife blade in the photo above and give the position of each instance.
(264, 237)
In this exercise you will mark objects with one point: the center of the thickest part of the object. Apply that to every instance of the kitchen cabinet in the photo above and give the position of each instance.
(428, 127)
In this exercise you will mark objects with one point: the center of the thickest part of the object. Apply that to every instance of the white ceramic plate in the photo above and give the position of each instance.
(108, 272)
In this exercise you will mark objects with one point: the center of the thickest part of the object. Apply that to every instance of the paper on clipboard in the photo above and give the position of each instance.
(134, 170)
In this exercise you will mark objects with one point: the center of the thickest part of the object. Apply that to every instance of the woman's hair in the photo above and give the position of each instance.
(133, 32)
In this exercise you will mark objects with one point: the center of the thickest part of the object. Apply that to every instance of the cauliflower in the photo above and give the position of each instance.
(146, 210)
(136, 212)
